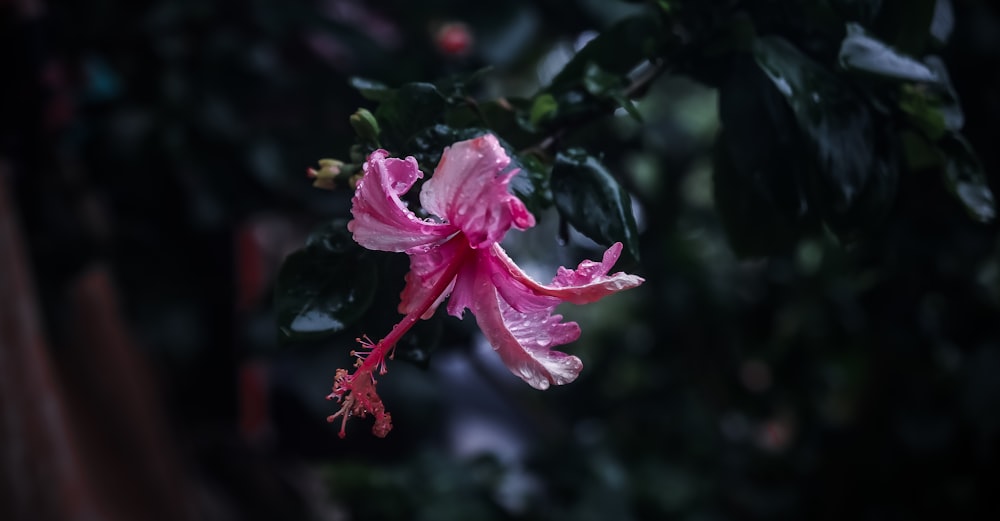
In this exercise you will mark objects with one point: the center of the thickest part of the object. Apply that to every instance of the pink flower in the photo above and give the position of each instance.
(457, 254)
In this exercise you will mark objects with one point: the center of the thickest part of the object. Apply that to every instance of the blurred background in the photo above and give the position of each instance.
(152, 180)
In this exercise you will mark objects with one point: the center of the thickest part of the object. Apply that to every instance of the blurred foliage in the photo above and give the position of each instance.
(808, 184)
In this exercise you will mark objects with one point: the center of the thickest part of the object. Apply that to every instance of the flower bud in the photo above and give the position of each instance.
(328, 171)
(365, 125)
(454, 39)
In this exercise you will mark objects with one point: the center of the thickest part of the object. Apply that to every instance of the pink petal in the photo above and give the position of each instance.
(524, 336)
(427, 266)
(469, 190)
(381, 220)
(589, 282)
(464, 291)
(524, 341)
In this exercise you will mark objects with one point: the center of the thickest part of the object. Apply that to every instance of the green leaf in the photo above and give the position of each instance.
(325, 287)
(590, 198)
(617, 50)
(411, 108)
(923, 111)
(945, 96)
(965, 179)
(371, 89)
(605, 85)
(761, 166)
(861, 51)
(428, 144)
(836, 121)
(531, 183)
(455, 87)
(943, 22)
(504, 118)
(601, 83)
(543, 109)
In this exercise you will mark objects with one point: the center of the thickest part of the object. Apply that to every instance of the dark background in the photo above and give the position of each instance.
(152, 178)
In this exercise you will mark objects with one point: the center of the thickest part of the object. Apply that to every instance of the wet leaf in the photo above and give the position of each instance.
(943, 22)
(965, 179)
(616, 50)
(861, 51)
(429, 143)
(836, 121)
(590, 198)
(409, 109)
(531, 183)
(760, 165)
(371, 89)
(324, 287)
(605, 85)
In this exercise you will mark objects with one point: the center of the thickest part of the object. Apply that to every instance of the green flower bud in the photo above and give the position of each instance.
(365, 125)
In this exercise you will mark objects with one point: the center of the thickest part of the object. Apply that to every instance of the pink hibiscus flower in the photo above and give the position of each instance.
(458, 254)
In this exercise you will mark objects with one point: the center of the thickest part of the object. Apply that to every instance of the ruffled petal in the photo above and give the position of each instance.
(589, 282)
(524, 340)
(381, 220)
(469, 190)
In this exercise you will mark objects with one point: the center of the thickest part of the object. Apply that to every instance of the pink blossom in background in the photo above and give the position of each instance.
(457, 254)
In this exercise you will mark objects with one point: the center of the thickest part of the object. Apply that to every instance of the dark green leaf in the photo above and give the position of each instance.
(836, 121)
(531, 183)
(590, 198)
(505, 117)
(965, 179)
(411, 108)
(455, 88)
(601, 83)
(332, 238)
(945, 95)
(617, 50)
(918, 152)
(371, 89)
(862, 51)
(761, 166)
(754, 223)
(324, 287)
(923, 111)
(605, 85)
(428, 144)
(878, 195)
